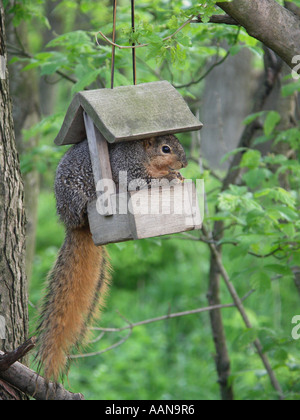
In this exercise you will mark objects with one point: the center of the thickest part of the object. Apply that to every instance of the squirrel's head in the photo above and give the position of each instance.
(165, 153)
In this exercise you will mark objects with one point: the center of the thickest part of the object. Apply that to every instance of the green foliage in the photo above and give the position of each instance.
(77, 55)
(266, 213)
(26, 10)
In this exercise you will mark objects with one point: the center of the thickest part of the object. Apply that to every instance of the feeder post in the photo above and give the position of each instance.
(99, 156)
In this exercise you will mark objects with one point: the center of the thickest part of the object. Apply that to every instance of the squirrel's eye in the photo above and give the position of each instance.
(166, 149)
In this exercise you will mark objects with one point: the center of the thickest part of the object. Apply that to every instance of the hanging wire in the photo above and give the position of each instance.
(133, 44)
(114, 40)
(113, 47)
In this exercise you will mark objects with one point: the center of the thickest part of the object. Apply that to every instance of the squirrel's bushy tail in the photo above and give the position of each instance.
(77, 286)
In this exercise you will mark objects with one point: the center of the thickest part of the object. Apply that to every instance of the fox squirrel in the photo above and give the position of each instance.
(79, 280)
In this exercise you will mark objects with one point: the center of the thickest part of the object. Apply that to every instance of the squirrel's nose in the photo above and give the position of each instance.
(185, 163)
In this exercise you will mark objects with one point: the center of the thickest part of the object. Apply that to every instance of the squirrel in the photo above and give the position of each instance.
(79, 281)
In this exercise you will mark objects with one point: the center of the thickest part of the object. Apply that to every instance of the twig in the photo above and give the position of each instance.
(131, 326)
(7, 359)
(12, 49)
(97, 353)
(211, 68)
(130, 47)
(172, 315)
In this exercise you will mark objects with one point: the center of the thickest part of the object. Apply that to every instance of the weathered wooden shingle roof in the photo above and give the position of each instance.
(128, 113)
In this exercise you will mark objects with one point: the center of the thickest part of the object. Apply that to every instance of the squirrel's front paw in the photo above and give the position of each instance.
(175, 177)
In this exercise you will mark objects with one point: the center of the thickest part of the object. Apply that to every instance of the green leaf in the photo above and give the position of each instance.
(280, 355)
(260, 281)
(287, 213)
(251, 159)
(247, 337)
(273, 118)
(232, 153)
(255, 177)
(86, 81)
(278, 194)
(71, 40)
(262, 139)
(290, 88)
(49, 68)
(235, 49)
(279, 269)
(254, 216)
(251, 118)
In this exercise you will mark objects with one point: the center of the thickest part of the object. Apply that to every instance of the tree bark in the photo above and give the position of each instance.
(270, 23)
(26, 113)
(13, 283)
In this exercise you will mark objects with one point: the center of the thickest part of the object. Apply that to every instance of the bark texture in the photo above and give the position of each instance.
(13, 283)
(26, 113)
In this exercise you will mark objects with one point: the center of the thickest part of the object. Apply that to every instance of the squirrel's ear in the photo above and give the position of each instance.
(148, 143)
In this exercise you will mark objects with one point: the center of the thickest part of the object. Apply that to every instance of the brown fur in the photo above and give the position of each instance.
(74, 282)
(161, 166)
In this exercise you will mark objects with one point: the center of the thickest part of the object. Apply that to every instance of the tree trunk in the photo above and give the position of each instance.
(226, 102)
(26, 113)
(13, 283)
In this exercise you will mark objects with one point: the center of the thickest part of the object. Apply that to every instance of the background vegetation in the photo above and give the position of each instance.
(251, 221)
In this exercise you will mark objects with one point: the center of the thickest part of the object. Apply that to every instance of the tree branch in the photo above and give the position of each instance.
(170, 316)
(292, 7)
(29, 382)
(221, 19)
(97, 353)
(211, 68)
(131, 326)
(22, 53)
(7, 359)
(270, 23)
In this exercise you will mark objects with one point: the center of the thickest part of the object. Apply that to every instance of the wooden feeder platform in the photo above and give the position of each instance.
(130, 113)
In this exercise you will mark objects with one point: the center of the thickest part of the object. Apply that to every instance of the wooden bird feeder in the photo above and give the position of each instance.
(130, 113)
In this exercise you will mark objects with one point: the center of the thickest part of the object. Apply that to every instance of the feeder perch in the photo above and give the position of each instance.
(130, 113)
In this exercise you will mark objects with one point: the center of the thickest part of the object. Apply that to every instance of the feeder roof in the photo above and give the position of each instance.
(128, 113)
